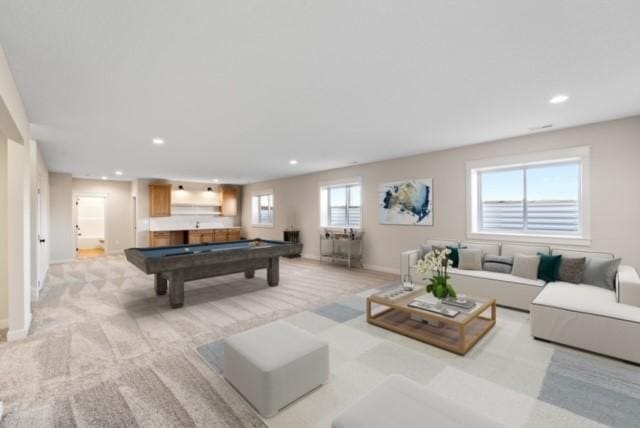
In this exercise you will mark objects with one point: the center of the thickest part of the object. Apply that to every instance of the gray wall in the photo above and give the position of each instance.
(615, 205)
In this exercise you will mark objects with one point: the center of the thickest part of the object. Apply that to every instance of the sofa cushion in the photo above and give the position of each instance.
(486, 248)
(496, 276)
(510, 250)
(586, 299)
(548, 268)
(601, 272)
(569, 252)
(571, 269)
(470, 259)
(437, 244)
(500, 264)
(526, 266)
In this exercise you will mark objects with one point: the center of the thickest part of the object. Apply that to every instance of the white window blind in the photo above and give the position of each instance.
(341, 206)
(537, 199)
(262, 209)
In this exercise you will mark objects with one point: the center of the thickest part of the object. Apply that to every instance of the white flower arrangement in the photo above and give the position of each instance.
(437, 262)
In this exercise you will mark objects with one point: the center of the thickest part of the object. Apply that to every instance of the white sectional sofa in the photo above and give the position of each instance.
(508, 290)
(579, 315)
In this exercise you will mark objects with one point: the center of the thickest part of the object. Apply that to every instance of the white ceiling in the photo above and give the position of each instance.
(237, 88)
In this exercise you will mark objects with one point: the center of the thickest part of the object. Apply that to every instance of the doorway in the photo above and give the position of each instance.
(90, 216)
(42, 228)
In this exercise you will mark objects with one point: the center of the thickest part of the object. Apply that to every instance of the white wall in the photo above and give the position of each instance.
(119, 214)
(4, 229)
(615, 205)
(42, 184)
(62, 237)
(15, 210)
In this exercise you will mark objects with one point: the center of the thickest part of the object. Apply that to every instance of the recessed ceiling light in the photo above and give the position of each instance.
(104, 177)
(293, 162)
(215, 180)
(558, 99)
(158, 141)
(118, 172)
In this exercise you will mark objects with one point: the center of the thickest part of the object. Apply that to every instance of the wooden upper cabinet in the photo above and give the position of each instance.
(229, 200)
(160, 200)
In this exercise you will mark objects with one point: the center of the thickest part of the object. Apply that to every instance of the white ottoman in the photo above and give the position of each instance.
(275, 364)
(400, 402)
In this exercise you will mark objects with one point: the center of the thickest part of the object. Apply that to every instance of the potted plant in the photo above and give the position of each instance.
(437, 262)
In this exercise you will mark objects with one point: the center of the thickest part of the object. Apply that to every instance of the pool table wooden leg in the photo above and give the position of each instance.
(273, 271)
(176, 288)
(249, 273)
(160, 285)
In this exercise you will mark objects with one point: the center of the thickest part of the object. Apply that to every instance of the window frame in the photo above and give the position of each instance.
(582, 155)
(255, 216)
(325, 203)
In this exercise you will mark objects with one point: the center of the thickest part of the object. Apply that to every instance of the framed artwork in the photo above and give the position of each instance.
(406, 202)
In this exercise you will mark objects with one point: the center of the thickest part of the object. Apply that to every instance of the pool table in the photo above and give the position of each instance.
(173, 266)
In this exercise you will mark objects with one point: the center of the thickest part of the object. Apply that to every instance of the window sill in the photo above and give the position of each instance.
(537, 239)
(263, 225)
(340, 228)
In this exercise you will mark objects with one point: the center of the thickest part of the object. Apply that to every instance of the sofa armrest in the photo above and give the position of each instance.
(408, 259)
(628, 286)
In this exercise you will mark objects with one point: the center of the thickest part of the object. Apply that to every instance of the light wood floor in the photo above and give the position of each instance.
(90, 252)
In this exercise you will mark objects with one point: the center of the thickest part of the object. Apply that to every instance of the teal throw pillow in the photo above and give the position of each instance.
(549, 268)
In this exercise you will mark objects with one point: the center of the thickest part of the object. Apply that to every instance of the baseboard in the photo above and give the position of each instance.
(19, 334)
(59, 262)
(385, 269)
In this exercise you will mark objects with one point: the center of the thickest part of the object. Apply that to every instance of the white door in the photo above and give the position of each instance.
(90, 222)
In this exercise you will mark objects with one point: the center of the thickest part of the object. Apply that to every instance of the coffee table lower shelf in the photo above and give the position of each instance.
(451, 336)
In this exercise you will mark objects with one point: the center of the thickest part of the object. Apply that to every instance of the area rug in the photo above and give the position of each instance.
(516, 380)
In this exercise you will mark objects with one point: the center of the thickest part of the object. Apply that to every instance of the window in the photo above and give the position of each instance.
(543, 197)
(340, 205)
(262, 209)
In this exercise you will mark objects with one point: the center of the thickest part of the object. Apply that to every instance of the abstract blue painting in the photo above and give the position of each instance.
(406, 202)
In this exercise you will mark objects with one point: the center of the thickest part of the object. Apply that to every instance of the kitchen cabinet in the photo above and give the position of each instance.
(229, 200)
(233, 235)
(201, 236)
(220, 235)
(177, 237)
(160, 239)
(192, 237)
(160, 200)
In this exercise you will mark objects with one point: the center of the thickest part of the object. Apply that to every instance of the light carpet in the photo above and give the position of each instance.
(106, 351)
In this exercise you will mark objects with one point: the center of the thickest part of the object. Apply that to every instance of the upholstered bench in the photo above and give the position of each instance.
(400, 402)
(275, 364)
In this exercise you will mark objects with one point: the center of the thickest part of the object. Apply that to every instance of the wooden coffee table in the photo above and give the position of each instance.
(456, 334)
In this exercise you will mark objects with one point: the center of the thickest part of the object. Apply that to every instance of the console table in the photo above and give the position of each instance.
(343, 247)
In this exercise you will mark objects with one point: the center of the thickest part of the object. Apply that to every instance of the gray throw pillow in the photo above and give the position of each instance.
(572, 269)
(601, 272)
(470, 259)
(501, 264)
(526, 266)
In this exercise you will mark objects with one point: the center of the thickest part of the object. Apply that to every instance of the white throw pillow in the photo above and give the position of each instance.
(526, 266)
(470, 259)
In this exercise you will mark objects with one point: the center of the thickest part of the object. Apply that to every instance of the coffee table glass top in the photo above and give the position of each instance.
(402, 301)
